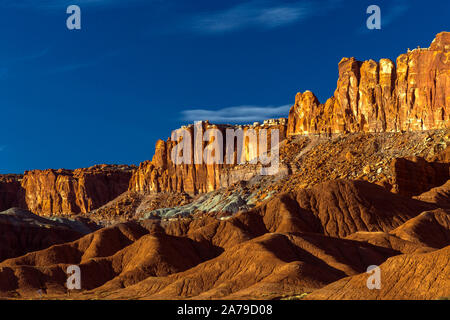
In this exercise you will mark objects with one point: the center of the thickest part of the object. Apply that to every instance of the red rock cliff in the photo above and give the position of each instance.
(66, 191)
(161, 174)
(48, 192)
(380, 96)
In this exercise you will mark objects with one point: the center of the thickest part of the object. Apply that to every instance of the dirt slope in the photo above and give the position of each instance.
(408, 276)
(293, 244)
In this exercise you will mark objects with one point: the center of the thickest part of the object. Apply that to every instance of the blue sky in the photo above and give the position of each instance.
(140, 68)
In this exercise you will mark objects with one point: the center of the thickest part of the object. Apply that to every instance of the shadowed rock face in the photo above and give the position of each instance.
(380, 96)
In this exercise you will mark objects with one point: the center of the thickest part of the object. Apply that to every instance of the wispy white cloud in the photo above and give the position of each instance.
(238, 114)
(261, 14)
(252, 14)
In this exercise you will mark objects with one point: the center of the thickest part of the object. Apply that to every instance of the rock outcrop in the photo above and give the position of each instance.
(82, 190)
(413, 94)
(55, 192)
(162, 175)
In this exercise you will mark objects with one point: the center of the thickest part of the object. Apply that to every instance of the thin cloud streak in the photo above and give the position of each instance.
(250, 14)
(238, 114)
(260, 14)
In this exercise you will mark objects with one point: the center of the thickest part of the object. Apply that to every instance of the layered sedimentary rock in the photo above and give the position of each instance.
(413, 94)
(82, 190)
(303, 115)
(48, 192)
(202, 174)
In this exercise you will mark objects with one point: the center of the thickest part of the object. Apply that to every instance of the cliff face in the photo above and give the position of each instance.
(161, 174)
(47, 192)
(413, 94)
(81, 190)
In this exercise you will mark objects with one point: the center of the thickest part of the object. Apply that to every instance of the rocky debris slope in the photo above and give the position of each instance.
(412, 94)
(221, 203)
(132, 205)
(408, 163)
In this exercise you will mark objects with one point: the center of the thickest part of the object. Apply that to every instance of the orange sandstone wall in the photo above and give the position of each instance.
(380, 96)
